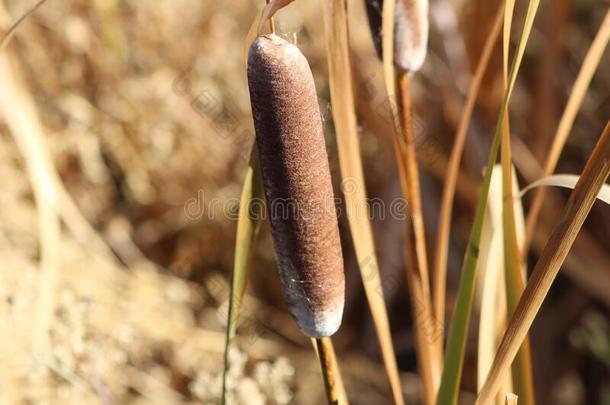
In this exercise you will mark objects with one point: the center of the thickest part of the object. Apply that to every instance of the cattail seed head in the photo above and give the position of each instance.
(410, 31)
(297, 182)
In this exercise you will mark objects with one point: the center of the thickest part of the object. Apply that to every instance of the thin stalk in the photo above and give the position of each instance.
(336, 34)
(456, 342)
(333, 384)
(444, 226)
(271, 21)
(579, 205)
(425, 324)
(588, 68)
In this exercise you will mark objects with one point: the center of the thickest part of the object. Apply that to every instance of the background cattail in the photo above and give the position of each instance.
(297, 182)
(410, 31)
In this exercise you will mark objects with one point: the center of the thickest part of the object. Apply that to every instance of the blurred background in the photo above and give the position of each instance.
(125, 131)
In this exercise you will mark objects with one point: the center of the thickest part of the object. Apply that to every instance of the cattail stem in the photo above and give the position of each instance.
(428, 340)
(271, 21)
(335, 391)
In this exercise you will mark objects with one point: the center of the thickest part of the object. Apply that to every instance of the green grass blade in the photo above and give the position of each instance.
(456, 344)
(249, 219)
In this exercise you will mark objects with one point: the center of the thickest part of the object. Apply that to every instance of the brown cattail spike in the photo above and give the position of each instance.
(297, 182)
(410, 31)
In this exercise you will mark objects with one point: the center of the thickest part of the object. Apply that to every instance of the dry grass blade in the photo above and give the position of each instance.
(444, 225)
(588, 68)
(576, 210)
(426, 332)
(11, 31)
(566, 181)
(269, 11)
(19, 111)
(412, 184)
(342, 101)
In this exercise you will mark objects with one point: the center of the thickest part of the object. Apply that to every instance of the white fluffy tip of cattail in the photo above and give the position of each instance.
(318, 324)
(410, 31)
(411, 34)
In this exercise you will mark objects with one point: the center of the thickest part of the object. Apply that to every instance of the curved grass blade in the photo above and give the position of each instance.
(456, 344)
(249, 219)
(552, 257)
(269, 11)
(336, 35)
(566, 181)
(588, 68)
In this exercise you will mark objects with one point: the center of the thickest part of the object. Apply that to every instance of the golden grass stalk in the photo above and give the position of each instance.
(417, 267)
(336, 34)
(576, 210)
(588, 68)
(335, 390)
(404, 147)
(439, 273)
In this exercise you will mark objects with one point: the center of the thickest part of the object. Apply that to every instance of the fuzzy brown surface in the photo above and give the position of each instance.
(297, 182)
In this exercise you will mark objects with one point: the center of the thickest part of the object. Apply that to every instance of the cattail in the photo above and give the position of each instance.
(297, 182)
(410, 31)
